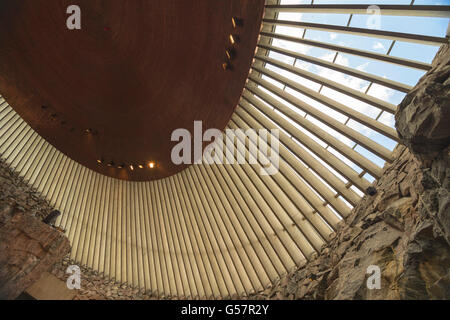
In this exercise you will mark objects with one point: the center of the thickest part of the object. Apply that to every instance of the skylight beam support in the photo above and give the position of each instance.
(348, 132)
(390, 35)
(350, 71)
(389, 10)
(385, 106)
(333, 104)
(352, 51)
(310, 143)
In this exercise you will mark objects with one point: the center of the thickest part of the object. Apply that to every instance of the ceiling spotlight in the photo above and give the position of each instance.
(111, 164)
(141, 166)
(230, 54)
(120, 166)
(88, 131)
(131, 167)
(99, 161)
(226, 66)
(234, 39)
(151, 165)
(236, 22)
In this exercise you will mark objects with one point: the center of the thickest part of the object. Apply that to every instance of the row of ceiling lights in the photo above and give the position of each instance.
(132, 167)
(230, 53)
(150, 165)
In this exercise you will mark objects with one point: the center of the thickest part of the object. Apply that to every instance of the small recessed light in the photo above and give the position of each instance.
(120, 166)
(225, 66)
(141, 166)
(99, 161)
(230, 54)
(131, 167)
(88, 131)
(236, 22)
(232, 39)
(151, 165)
(111, 164)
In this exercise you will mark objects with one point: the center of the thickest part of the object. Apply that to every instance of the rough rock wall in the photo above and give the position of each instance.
(14, 191)
(423, 117)
(95, 286)
(404, 229)
(397, 230)
(28, 248)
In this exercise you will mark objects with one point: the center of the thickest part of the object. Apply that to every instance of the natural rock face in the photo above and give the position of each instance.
(14, 191)
(403, 230)
(95, 286)
(423, 116)
(404, 227)
(28, 247)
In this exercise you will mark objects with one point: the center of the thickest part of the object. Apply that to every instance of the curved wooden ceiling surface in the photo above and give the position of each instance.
(136, 71)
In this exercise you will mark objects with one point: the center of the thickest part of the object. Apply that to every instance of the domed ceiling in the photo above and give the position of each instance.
(114, 91)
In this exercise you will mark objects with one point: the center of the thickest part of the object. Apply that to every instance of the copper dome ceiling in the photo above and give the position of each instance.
(115, 90)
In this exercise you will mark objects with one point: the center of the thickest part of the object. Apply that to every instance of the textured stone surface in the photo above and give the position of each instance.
(14, 191)
(28, 248)
(403, 229)
(423, 116)
(95, 286)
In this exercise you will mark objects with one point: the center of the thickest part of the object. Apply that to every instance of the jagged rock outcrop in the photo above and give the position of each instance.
(404, 227)
(398, 230)
(423, 116)
(15, 191)
(28, 248)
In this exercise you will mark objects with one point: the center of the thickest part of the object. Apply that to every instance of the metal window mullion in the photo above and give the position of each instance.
(208, 258)
(348, 132)
(381, 34)
(171, 260)
(346, 70)
(192, 242)
(263, 259)
(191, 259)
(383, 105)
(309, 142)
(385, 9)
(221, 217)
(297, 209)
(257, 208)
(181, 260)
(284, 217)
(157, 288)
(217, 244)
(303, 172)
